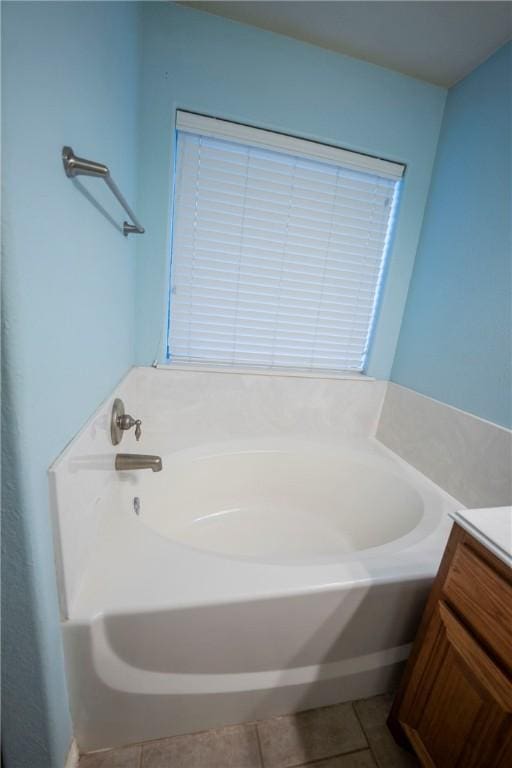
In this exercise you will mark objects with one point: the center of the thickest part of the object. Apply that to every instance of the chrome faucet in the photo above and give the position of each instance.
(130, 461)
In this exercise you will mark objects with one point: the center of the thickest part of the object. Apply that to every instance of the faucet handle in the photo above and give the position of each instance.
(121, 421)
(125, 421)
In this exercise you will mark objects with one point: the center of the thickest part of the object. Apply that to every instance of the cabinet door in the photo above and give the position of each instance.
(457, 708)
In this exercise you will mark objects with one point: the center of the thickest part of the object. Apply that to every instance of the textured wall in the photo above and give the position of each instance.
(456, 337)
(203, 63)
(68, 76)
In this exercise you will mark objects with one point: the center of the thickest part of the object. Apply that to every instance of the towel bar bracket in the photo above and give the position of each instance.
(131, 229)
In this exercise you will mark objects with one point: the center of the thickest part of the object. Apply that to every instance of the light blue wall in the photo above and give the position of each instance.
(207, 64)
(68, 76)
(69, 335)
(455, 343)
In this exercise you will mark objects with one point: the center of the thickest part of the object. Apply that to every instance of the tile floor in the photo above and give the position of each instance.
(351, 735)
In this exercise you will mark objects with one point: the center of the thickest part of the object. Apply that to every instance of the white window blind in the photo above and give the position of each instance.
(278, 248)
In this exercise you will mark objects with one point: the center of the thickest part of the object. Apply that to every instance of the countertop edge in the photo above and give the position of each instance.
(481, 537)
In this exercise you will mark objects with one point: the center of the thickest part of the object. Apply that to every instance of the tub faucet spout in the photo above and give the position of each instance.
(130, 461)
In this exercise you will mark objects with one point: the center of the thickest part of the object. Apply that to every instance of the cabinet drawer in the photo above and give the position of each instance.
(484, 599)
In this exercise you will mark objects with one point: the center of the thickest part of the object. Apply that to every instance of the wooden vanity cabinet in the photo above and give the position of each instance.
(454, 706)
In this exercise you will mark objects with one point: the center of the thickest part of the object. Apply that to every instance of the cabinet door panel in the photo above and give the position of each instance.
(457, 710)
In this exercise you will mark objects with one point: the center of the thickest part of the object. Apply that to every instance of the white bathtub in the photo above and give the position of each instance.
(260, 577)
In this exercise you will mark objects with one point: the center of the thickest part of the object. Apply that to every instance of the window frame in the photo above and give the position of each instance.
(229, 130)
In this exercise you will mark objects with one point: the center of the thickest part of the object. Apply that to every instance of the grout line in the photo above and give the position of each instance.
(384, 726)
(368, 741)
(260, 750)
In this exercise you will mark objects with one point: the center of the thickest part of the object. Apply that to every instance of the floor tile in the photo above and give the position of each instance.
(373, 714)
(362, 759)
(128, 757)
(313, 735)
(232, 747)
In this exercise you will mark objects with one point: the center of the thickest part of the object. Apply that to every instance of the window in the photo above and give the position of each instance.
(278, 248)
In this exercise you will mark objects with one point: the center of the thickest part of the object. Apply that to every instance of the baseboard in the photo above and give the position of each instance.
(73, 756)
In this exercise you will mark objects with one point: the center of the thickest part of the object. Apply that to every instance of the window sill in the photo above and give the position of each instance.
(295, 373)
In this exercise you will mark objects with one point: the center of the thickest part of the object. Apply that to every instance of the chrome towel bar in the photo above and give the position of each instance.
(78, 166)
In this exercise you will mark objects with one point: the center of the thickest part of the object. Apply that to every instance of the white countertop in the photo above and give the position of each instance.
(492, 527)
